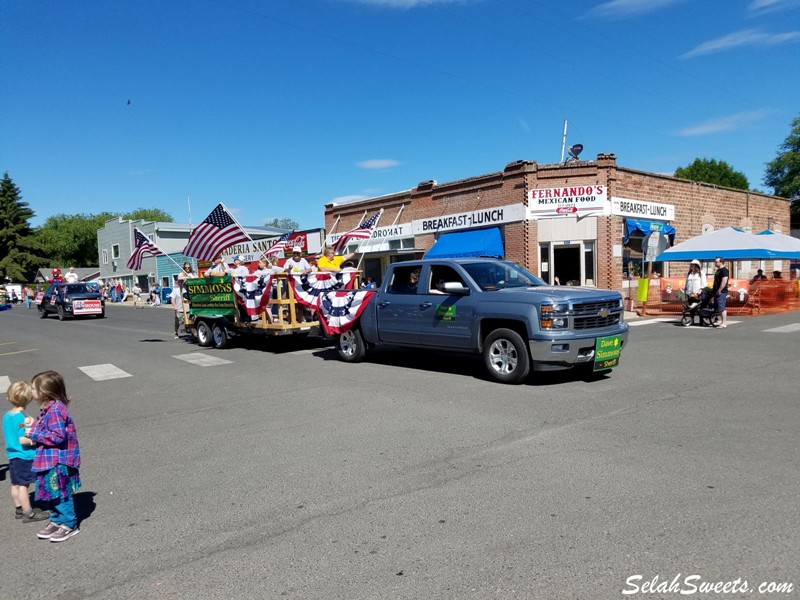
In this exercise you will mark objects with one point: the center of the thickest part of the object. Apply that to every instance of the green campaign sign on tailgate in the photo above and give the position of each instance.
(606, 352)
(211, 296)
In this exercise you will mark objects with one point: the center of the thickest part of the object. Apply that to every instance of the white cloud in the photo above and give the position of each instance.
(729, 123)
(620, 9)
(769, 5)
(378, 163)
(406, 3)
(747, 37)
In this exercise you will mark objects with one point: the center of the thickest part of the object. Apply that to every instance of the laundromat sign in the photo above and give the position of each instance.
(575, 200)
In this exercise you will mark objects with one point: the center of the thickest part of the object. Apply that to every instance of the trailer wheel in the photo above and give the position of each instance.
(204, 334)
(350, 346)
(505, 356)
(220, 336)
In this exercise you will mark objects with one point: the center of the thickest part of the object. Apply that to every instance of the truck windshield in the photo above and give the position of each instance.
(501, 275)
(76, 288)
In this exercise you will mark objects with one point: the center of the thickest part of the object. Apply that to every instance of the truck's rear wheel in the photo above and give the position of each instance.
(351, 346)
(204, 334)
(506, 356)
(220, 336)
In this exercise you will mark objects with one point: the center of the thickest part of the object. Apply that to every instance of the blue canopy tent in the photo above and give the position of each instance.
(473, 242)
(729, 243)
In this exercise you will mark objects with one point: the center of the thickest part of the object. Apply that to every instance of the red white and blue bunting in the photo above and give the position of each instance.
(339, 310)
(253, 292)
(308, 288)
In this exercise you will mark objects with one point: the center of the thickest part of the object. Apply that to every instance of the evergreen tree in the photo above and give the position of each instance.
(714, 172)
(18, 248)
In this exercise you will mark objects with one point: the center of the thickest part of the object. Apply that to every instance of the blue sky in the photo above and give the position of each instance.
(277, 108)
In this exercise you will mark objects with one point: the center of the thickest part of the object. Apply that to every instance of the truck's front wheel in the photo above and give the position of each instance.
(350, 346)
(506, 356)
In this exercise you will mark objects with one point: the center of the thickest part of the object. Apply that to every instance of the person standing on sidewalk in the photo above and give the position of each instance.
(720, 289)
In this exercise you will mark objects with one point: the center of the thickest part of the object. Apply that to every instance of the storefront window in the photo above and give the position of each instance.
(588, 262)
(544, 262)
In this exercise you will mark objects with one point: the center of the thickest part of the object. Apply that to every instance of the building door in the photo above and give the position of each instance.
(567, 264)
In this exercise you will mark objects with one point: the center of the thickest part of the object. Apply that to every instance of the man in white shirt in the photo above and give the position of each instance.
(217, 269)
(297, 265)
(71, 276)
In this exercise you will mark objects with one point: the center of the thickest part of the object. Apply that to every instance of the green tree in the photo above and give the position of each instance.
(284, 223)
(783, 173)
(19, 252)
(714, 172)
(71, 240)
(148, 214)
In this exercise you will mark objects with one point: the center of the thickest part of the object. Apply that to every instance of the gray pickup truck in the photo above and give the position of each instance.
(494, 308)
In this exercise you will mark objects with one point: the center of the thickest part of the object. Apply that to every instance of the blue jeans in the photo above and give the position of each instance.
(63, 512)
(28, 301)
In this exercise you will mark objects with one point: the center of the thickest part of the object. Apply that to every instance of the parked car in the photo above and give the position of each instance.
(72, 300)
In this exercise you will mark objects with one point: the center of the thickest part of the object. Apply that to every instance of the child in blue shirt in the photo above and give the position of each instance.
(20, 458)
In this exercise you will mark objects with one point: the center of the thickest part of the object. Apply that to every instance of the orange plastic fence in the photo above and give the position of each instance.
(744, 297)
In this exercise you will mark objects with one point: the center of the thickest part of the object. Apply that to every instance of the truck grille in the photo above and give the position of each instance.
(585, 315)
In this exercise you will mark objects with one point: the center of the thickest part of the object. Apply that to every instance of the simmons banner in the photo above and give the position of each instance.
(211, 296)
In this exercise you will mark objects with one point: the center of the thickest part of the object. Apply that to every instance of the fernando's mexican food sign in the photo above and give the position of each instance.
(211, 296)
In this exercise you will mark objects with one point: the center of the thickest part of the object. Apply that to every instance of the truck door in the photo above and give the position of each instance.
(445, 318)
(398, 307)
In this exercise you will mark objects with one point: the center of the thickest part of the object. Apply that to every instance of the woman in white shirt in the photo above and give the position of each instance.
(695, 279)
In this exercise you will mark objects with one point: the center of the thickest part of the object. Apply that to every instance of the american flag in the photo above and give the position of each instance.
(141, 246)
(212, 236)
(279, 247)
(363, 232)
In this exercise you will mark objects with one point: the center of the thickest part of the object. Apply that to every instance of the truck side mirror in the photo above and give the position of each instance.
(455, 287)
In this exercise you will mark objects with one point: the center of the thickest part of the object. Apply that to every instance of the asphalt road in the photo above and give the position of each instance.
(285, 473)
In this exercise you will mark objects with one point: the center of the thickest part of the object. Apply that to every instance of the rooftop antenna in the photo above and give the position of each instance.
(574, 151)
(563, 140)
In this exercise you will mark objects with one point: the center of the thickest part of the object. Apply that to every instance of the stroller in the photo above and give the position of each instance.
(701, 306)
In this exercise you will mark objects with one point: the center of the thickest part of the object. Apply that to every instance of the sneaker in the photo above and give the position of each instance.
(36, 514)
(18, 512)
(47, 531)
(64, 533)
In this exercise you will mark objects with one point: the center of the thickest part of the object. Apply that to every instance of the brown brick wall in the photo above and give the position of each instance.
(695, 204)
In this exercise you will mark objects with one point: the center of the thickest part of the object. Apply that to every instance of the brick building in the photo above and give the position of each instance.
(580, 221)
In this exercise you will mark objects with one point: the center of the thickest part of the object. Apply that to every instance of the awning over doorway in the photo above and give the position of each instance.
(473, 242)
(646, 227)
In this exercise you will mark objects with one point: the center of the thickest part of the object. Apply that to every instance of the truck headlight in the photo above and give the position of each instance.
(554, 316)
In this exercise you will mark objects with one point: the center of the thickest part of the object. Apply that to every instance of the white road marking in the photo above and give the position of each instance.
(202, 360)
(104, 372)
(785, 329)
(651, 321)
(675, 319)
(4, 383)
